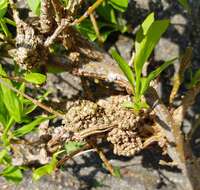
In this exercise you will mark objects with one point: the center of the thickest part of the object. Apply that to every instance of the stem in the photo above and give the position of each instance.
(96, 28)
(66, 23)
(88, 12)
(105, 161)
(48, 109)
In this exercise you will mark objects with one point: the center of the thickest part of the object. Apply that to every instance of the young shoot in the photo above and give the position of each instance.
(147, 38)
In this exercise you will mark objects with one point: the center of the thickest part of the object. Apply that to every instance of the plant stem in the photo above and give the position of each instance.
(88, 12)
(48, 109)
(96, 29)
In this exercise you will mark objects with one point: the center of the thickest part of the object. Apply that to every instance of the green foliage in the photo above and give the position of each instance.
(194, 79)
(10, 99)
(29, 127)
(14, 109)
(119, 4)
(48, 168)
(3, 7)
(34, 5)
(12, 173)
(185, 4)
(109, 20)
(73, 146)
(35, 78)
(124, 67)
(146, 39)
(3, 20)
(117, 172)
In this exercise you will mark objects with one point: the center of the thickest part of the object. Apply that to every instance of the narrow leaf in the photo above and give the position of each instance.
(46, 169)
(146, 81)
(10, 99)
(3, 7)
(120, 5)
(124, 67)
(146, 44)
(12, 173)
(72, 146)
(29, 127)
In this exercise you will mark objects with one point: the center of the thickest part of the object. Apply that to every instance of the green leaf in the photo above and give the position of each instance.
(3, 111)
(73, 146)
(194, 79)
(146, 81)
(35, 78)
(117, 172)
(146, 43)
(29, 127)
(46, 169)
(9, 21)
(87, 30)
(3, 7)
(107, 13)
(34, 6)
(4, 27)
(5, 158)
(3, 153)
(120, 5)
(12, 173)
(185, 4)
(10, 99)
(29, 106)
(147, 23)
(128, 104)
(124, 67)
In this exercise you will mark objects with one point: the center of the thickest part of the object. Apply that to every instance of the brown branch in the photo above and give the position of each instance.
(169, 128)
(185, 62)
(67, 22)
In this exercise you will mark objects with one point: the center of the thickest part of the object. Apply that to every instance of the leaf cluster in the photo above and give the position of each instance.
(147, 37)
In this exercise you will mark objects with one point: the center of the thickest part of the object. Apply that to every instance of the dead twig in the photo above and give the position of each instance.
(185, 62)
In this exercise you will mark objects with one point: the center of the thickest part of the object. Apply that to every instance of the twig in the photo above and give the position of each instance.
(62, 161)
(67, 23)
(169, 127)
(105, 161)
(64, 23)
(48, 109)
(58, 9)
(185, 62)
(96, 28)
(88, 12)
(188, 101)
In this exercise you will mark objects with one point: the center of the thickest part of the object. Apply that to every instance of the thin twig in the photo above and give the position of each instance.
(63, 160)
(48, 109)
(88, 12)
(64, 23)
(96, 28)
(185, 62)
(105, 161)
